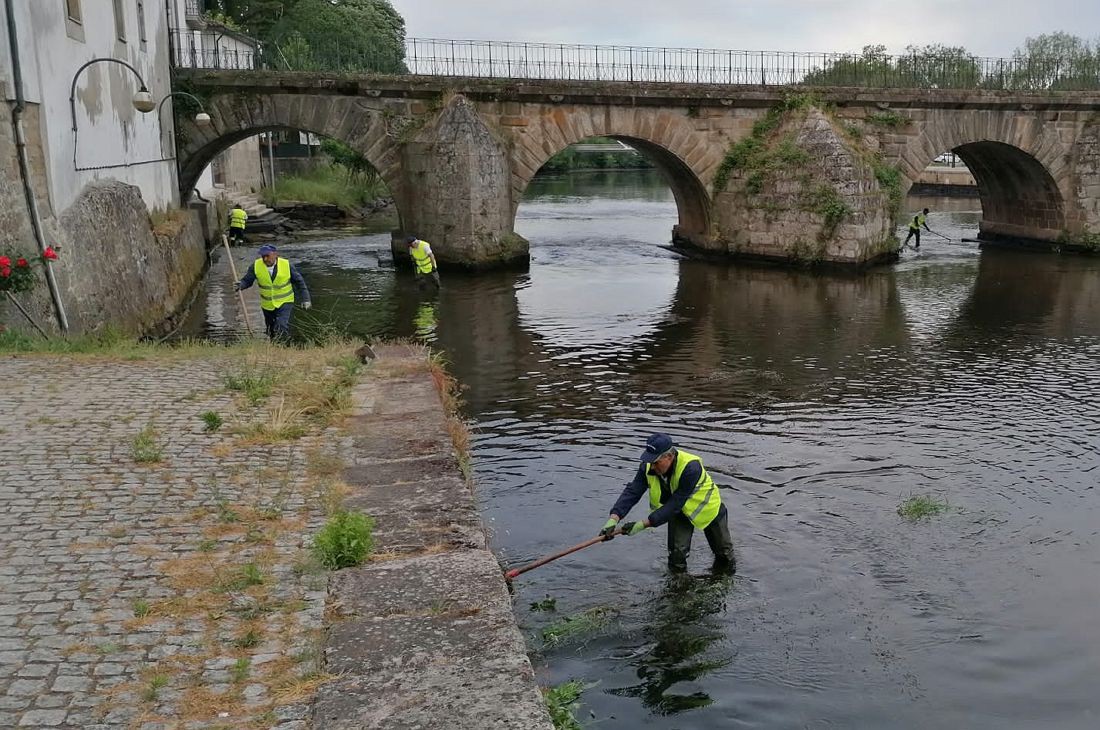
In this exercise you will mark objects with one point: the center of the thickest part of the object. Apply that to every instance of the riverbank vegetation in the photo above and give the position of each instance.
(572, 158)
(345, 179)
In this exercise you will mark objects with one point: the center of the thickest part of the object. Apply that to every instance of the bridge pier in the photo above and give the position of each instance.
(457, 193)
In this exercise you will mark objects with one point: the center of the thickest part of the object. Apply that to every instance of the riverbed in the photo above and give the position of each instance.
(819, 402)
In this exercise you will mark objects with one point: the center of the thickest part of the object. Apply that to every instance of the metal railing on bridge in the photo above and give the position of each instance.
(572, 62)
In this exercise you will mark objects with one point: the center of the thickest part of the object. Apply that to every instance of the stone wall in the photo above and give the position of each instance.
(112, 271)
(806, 194)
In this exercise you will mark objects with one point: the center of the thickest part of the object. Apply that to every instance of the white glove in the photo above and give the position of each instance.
(307, 305)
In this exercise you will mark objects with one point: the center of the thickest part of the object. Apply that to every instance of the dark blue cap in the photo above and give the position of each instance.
(410, 239)
(656, 446)
(267, 248)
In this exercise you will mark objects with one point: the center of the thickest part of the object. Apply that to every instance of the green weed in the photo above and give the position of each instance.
(208, 546)
(546, 604)
(212, 421)
(255, 384)
(141, 608)
(156, 683)
(240, 670)
(145, 448)
(345, 541)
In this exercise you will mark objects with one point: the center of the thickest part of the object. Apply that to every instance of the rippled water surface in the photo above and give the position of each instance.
(819, 402)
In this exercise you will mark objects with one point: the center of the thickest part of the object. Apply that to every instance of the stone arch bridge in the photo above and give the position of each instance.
(756, 172)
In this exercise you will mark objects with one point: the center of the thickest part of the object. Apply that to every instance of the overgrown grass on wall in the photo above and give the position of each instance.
(329, 184)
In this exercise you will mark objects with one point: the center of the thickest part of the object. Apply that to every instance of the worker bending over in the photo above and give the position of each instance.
(682, 494)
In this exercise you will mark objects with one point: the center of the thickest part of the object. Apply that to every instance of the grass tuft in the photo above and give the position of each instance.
(141, 608)
(345, 541)
(254, 383)
(212, 421)
(156, 683)
(145, 448)
(920, 506)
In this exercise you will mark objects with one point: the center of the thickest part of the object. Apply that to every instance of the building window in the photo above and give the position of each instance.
(120, 21)
(72, 10)
(141, 20)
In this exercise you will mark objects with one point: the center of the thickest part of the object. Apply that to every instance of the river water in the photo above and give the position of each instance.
(819, 402)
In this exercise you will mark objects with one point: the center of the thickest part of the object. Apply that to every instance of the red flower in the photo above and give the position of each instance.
(5, 272)
(4, 262)
(21, 263)
(49, 254)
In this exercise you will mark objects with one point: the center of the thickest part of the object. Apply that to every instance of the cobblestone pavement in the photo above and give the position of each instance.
(171, 593)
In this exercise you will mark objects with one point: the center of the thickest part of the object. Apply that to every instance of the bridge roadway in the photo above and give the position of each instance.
(458, 153)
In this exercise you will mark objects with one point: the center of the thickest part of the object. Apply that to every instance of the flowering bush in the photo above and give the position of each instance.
(16, 274)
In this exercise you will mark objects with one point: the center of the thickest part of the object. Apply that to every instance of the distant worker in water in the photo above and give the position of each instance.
(279, 284)
(914, 228)
(238, 217)
(682, 494)
(427, 271)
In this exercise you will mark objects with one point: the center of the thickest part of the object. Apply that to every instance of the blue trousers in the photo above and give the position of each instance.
(278, 322)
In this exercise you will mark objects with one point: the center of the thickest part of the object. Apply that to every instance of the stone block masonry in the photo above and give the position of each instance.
(156, 572)
(424, 637)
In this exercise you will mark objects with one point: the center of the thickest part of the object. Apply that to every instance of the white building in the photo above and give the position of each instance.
(112, 139)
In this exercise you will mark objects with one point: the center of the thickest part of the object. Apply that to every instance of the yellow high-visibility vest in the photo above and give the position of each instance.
(421, 257)
(917, 222)
(237, 217)
(276, 292)
(702, 506)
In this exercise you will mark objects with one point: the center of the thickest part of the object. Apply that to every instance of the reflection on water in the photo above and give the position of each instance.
(818, 402)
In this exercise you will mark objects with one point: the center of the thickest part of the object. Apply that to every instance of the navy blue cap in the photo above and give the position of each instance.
(267, 248)
(410, 239)
(655, 447)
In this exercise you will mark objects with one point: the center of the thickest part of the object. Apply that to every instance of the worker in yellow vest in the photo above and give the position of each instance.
(279, 284)
(424, 260)
(920, 219)
(238, 217)
(682, 494)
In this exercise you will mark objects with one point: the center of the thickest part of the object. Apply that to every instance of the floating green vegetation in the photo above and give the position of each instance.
(582, 624)
(562, 702)
(919, 506)
(546, 604)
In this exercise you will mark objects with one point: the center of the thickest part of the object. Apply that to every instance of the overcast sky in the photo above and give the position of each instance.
(988, 28)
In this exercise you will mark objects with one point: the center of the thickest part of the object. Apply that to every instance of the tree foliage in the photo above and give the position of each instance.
(921, 67)
(345, 35)
(1056, 61)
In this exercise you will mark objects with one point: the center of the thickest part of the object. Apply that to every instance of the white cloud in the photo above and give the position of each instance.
(985, 28)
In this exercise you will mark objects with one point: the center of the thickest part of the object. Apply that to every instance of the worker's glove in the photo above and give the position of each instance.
(632, 528)
(236, 286)
(307, 305)
(608, 528)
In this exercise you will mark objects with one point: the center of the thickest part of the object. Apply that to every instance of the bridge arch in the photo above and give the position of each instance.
(1019, 167)
(237, 117)
(686, 157)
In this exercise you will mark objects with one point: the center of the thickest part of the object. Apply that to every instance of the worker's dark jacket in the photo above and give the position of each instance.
(671, 502)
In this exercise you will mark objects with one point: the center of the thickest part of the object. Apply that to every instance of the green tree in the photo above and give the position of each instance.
(921, 67)
(1056, 61)
(344, 35)
(939, 67)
